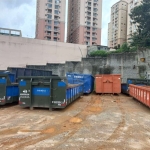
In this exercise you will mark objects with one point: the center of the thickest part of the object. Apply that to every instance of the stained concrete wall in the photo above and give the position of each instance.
(126, 64)
(62, 58)
(19, 52)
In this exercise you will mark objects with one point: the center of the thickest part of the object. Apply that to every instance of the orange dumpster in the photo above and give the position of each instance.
(141, 93)
(109, 83)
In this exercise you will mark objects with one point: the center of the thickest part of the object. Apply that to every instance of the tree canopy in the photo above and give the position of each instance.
(140, 16)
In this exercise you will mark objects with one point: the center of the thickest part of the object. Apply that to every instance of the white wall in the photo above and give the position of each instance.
(18, 52)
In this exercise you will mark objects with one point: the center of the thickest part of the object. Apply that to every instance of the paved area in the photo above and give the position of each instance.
(93, 122)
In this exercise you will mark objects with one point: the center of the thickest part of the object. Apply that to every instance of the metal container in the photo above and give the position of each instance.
(9, 91)
(28, 72)
(110, 83)
(86, 79)
(141, 93)
(140, 82)
(41, 67)
(48, 92)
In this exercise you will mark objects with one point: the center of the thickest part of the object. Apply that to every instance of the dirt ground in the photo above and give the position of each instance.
(93, 122)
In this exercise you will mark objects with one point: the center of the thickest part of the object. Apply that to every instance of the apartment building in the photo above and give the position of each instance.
(117, 28)
(50, 20)
(131, 28)
(84, 22)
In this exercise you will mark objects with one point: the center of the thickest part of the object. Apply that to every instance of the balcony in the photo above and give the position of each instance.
(95, 1)
(56, 39)
(95, 21)
(95, 15)
(94, 29)
(49, 11)
(87, 28)
(56, 24)
(49, 1)
(57, 2)
(56, 18)
(88, 14)
(49, 5)
(94, 24)
(94, 43)
(57, 7)
(87, 35)
(56, 35)
(89, 4)
(56, 29)
(94, 35)
(88, 19)
(94, 39)
(95, 10)
(47, 38)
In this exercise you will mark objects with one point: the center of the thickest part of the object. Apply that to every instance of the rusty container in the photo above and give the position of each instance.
(141, 93)
(109, 83)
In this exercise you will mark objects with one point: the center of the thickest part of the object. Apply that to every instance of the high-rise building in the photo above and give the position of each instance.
(131, 28)
(117, 28)
(84, 21)
(50, 20)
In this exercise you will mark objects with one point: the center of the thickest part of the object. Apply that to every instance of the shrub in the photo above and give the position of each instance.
(101, 53)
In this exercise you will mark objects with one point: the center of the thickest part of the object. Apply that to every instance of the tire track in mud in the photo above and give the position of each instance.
(120, 126)
(72, 125)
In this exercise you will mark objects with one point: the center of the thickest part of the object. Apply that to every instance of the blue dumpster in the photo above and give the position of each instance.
(86, 79)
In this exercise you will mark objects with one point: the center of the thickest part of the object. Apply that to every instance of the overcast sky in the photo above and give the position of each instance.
(21, 15)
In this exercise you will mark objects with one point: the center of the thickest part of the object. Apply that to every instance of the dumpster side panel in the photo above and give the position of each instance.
(41, 96)
(108, 83)
(3, 83)
(142, 94)
(58, 94)
(117, 84)
(88, 83)
(28, 72)
(9, 92)
(86, 79)
(25, 93)
(12, 78)
(98, 84)
(12, 93)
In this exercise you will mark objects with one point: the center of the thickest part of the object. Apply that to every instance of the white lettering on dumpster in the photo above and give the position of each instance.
(25, 91)
(56, 102)
(24, 95)
(80, 77)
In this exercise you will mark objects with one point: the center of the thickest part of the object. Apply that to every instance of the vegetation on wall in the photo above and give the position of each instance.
(101, 53)
(124, 48)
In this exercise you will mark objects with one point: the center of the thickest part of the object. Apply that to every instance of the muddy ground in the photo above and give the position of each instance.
(94, 122)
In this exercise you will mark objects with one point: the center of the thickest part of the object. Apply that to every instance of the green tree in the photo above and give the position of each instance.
(125, 47)
(141, 18)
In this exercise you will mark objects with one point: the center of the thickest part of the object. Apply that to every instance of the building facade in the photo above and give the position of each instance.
(117, 28)
(84, 22)
(131, 28)
(10, 32)
(121, 28)
(50, 20)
